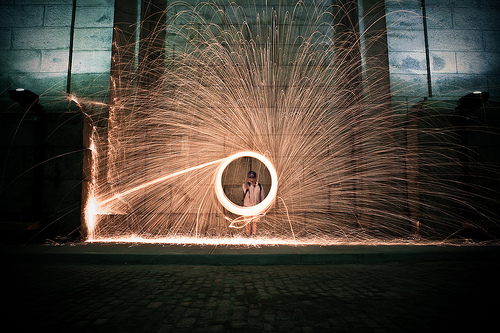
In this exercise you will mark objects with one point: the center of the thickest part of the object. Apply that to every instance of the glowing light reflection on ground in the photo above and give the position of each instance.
(269, 241)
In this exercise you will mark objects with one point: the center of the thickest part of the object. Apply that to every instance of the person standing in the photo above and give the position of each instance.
(253, 194)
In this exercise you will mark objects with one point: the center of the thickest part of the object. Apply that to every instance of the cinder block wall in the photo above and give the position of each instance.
(52, 48)
(462, 53)
(450, 52)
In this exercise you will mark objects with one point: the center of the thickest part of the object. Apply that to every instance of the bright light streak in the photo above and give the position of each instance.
(270, 241)
(73, 98)
(157, 180)
(91, 211)
(253, 210)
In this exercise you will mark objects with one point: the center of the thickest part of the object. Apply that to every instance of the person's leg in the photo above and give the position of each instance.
(247, 226)
(254, 225)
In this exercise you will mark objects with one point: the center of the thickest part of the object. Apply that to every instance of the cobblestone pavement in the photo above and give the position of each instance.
(410, 297)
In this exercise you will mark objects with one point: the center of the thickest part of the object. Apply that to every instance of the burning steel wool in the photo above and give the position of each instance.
(215, 90)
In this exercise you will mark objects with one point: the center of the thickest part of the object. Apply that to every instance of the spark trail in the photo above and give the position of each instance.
(155, 181)
(286, 81)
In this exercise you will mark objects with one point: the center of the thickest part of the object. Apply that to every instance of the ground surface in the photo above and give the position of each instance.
(391, 297)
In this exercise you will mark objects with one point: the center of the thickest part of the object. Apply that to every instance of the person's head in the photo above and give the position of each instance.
(252, 177)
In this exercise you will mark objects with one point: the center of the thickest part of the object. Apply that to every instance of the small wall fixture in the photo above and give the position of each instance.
(26, 99)
(473, 101)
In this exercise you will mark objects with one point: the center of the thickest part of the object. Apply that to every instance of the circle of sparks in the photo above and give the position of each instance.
(253, 210)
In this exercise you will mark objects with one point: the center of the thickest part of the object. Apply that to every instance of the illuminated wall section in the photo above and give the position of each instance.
(440, 51)
(55, 47)
(50, 47)
(450, 52)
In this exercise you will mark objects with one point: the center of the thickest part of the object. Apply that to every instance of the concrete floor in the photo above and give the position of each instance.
(148, 288)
